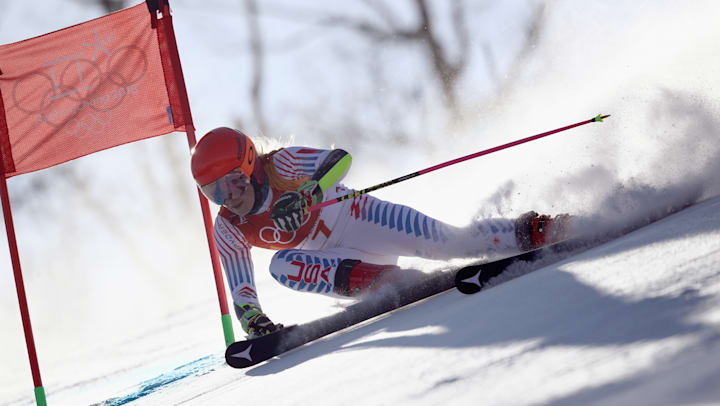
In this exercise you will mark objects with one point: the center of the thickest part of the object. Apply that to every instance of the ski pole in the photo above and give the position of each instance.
(598, 118)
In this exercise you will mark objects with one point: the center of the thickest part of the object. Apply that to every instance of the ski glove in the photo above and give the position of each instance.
(291, 207)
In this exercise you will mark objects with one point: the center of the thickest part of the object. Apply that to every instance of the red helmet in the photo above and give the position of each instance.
(219, 152)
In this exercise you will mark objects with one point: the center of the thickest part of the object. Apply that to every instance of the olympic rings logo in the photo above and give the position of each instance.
(89, 90)
(89, 124)
(277, 235)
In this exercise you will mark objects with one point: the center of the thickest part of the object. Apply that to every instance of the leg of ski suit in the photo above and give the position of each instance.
(378, 232)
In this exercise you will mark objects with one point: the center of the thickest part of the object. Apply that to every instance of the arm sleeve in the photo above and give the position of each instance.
(327, 167)
(234, 251)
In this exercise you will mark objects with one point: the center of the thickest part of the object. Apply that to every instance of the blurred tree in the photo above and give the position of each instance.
(531, 37)
(258, 59)
(108, 6)
(437, 47)
(388, 28)
(112, 5)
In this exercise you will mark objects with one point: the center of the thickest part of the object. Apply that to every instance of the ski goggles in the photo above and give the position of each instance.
(229, 187)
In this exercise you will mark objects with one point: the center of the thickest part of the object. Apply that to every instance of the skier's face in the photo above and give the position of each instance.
(242, 203)
(233, 191)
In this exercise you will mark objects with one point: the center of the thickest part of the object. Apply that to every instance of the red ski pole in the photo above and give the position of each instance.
(598, 118)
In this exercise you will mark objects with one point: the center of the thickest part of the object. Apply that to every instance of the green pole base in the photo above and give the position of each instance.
(228, 330)
(40, 396)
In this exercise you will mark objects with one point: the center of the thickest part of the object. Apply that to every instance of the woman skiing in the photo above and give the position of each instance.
(344, 249)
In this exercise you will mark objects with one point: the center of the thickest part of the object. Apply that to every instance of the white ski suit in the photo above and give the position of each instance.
(363, 228)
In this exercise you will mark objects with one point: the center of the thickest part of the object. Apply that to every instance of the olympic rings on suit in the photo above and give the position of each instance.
(276, 236)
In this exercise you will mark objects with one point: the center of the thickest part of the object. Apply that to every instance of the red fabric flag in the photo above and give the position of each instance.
(86, 88)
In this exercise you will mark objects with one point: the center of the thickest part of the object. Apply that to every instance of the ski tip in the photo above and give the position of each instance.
(599, 118)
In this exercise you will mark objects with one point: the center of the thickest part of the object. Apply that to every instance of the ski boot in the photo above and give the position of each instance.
(533, 231)
(354, 277)
(254, 322)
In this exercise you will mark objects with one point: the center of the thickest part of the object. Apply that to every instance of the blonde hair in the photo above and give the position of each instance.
(276, 181)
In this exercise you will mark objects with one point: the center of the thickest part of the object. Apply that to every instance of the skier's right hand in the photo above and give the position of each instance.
(255, 322)
(261, 325)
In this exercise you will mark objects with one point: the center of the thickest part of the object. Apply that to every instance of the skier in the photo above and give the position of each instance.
(345, 249)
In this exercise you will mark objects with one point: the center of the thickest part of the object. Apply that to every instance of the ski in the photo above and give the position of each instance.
(473, 278)
(250, 352)
(469, 279)
(246, 353)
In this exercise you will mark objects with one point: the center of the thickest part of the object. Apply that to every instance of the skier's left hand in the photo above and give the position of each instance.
(291, 207)
(289, 210)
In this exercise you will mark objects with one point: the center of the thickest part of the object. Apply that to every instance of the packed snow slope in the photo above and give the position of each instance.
(634, 321)
(122, 298)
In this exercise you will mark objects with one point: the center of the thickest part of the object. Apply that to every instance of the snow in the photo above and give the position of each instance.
(130, 315)
(634, 321)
